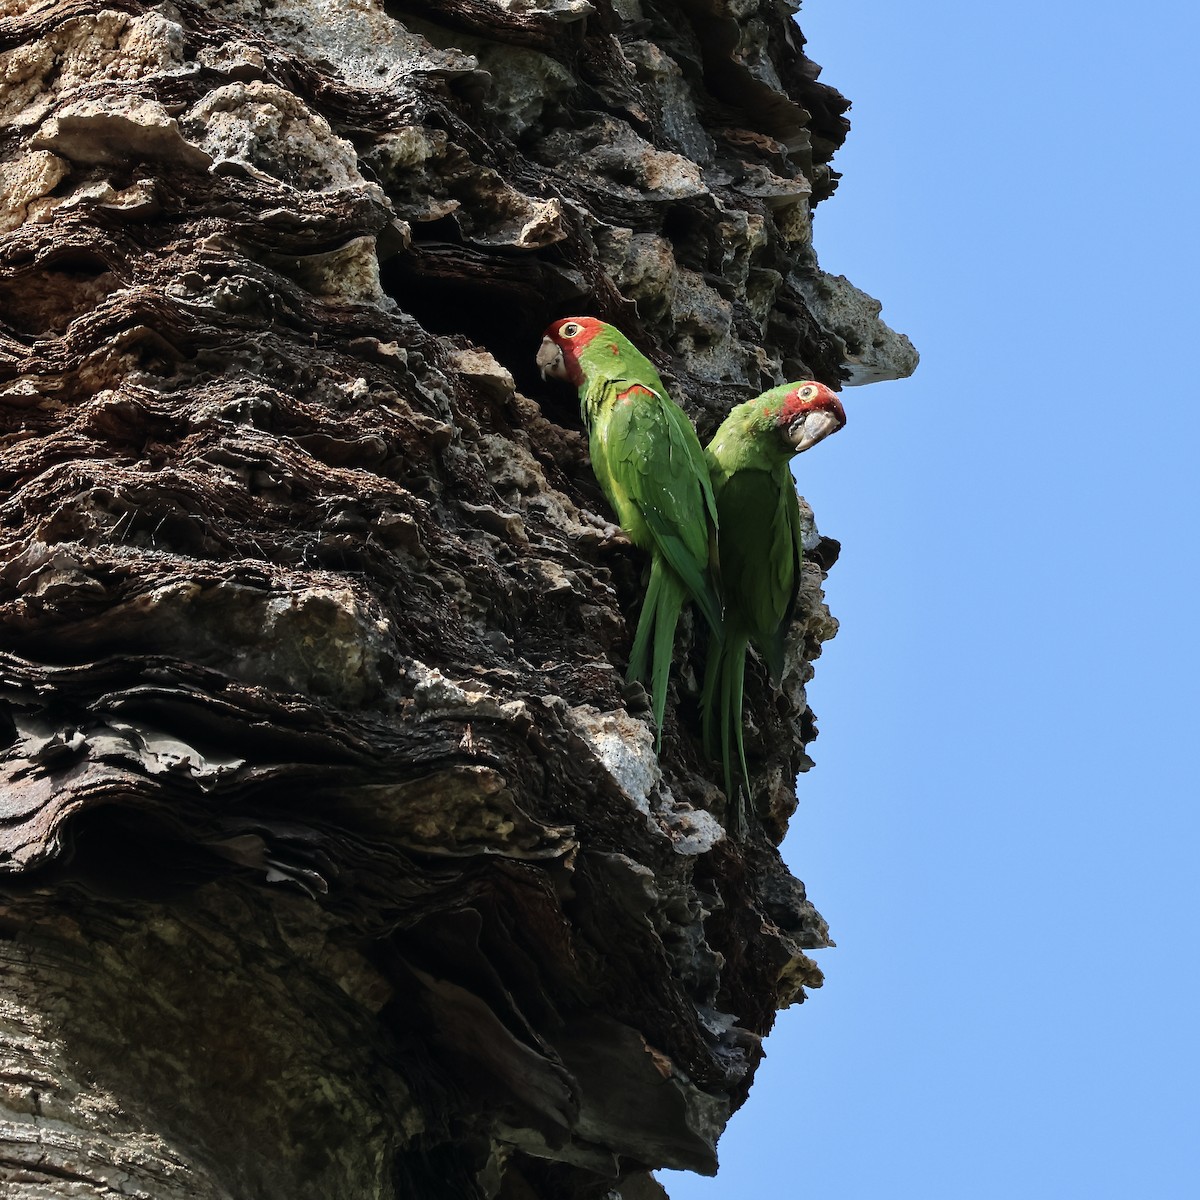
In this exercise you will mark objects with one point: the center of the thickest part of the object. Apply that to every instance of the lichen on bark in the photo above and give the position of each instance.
(335, 858)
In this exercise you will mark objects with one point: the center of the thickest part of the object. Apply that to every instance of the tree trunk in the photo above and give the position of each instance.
(335, 859)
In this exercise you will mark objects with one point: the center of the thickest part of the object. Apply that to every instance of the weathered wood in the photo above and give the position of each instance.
(335, 859)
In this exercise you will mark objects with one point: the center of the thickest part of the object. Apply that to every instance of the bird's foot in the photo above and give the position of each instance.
(599, 530)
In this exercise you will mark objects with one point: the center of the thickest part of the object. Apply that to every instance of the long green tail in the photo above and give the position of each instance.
(722, 698)
(665, 597)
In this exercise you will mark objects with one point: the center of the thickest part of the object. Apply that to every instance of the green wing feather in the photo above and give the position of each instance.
(654, 459)
(772, 651)
(758, 550)
(650, 465)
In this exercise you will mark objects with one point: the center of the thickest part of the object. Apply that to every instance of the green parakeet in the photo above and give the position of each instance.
(760, 547)
(648, 462)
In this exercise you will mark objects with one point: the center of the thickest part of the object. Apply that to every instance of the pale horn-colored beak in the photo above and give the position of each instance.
(550, 360)
(815, 426)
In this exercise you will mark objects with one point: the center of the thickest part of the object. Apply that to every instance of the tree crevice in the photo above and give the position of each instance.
(335, 856)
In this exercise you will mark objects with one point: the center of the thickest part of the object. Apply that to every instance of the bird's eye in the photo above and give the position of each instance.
(569, 330)
(806, 392)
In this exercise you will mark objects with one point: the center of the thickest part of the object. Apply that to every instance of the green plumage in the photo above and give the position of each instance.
(760, 553)
(650, 465)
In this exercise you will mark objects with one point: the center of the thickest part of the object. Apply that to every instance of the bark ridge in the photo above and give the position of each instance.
(335, 859)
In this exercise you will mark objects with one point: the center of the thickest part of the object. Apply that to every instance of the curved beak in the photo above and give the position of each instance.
(815, 426)
(550, 360)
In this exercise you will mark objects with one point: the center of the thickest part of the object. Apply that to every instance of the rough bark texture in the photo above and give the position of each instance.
(336, 860)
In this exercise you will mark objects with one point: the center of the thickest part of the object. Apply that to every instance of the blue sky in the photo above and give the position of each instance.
(1002, 823)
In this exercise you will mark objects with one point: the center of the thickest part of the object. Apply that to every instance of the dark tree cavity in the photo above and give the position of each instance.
(335, 859)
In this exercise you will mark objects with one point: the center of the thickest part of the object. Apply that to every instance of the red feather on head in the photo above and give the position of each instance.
(587, 328)
(820, 397)
(571, 335)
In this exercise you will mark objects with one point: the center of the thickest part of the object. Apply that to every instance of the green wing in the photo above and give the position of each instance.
(656, 466)
(794, 543)
(760, 523)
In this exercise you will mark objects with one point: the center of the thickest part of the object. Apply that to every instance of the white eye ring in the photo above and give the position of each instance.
(570, 329)
(806, 391)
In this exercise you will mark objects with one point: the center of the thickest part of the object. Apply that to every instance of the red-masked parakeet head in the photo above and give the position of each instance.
(808, 412)
(567, 350)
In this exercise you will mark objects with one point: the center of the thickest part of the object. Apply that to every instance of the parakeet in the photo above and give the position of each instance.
(648, 462)
(760, 547)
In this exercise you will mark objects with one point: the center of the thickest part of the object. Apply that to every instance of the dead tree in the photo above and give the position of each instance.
(335, 860)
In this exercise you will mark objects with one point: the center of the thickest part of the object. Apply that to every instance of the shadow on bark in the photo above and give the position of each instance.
(336, 858)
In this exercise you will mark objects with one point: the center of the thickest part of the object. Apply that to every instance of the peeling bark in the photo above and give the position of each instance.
(335, 859)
